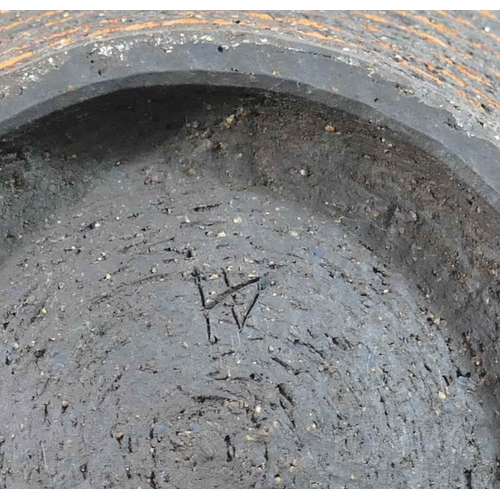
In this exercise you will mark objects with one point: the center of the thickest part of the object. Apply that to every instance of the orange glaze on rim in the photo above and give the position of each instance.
(14, 60)
(29, 19)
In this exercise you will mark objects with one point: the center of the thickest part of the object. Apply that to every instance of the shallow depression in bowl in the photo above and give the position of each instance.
(196, 281)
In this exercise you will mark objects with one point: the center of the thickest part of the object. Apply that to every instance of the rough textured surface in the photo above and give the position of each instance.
(445, 58)
(430, 75)
(290, 295)
(361, 351)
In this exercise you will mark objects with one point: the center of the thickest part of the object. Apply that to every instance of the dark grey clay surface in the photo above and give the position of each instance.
(206, 289)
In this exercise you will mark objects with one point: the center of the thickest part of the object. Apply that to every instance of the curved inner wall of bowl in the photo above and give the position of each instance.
(199, 279)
